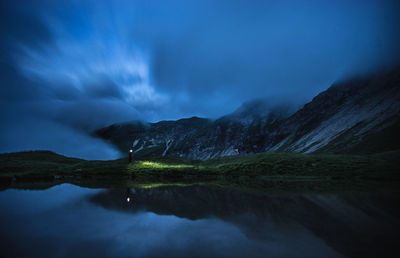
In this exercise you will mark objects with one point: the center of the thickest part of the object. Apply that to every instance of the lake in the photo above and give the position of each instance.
(195, 221)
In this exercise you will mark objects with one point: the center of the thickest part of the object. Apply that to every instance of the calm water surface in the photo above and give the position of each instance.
(195, 221)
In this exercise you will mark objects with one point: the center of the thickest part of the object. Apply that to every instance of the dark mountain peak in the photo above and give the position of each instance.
(382, 80)
(192, 120)
(348, 115)
(262, 108)
(184, 122)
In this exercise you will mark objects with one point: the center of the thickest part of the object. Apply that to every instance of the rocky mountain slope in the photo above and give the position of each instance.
(356, 116)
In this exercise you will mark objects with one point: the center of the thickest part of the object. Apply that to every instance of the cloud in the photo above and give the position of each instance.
(243, 50)
(75, 66)
(29, 134)
(45, 105)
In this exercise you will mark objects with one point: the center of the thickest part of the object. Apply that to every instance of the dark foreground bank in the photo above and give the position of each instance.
(260, 172)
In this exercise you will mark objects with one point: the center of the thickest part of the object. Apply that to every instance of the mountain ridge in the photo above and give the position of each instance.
(335, 121)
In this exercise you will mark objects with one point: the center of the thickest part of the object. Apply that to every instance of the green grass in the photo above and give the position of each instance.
(157, 165)
(259, 171)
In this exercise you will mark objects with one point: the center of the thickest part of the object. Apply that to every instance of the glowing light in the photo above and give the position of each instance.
(128, 199)
(149, 164)
(130, 150)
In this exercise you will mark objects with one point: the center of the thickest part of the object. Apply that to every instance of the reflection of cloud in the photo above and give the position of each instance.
(308, 222)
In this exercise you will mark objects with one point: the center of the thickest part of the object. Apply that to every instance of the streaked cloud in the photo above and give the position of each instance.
(87, 64)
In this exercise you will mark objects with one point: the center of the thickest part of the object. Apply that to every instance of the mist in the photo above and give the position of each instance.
(70, 67)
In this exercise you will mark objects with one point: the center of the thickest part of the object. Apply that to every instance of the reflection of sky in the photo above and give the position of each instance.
(61, 222)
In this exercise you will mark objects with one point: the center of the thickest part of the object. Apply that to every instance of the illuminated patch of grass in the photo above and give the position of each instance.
(157, 165)
(142, 168)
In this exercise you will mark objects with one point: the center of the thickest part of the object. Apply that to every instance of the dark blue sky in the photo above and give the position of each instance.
(69, 67)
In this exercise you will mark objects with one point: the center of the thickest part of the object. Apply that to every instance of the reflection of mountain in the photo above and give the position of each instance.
(358, 226)
(357, 116)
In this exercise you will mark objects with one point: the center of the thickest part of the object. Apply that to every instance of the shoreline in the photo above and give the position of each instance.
(264, 173)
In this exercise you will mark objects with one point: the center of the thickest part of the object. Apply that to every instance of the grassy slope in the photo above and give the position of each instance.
(265, 170)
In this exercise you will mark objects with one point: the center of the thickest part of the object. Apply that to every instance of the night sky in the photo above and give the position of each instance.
(69, 67)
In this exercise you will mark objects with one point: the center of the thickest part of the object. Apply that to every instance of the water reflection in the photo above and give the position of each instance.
(128, 193)
(196, 221)
(353, 225)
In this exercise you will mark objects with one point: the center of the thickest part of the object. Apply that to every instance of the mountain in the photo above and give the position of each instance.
(258, 109)
(195, 138)
(361, 115)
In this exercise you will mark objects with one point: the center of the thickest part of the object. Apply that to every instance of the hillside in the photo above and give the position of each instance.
(355, 116)
(264, 171)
